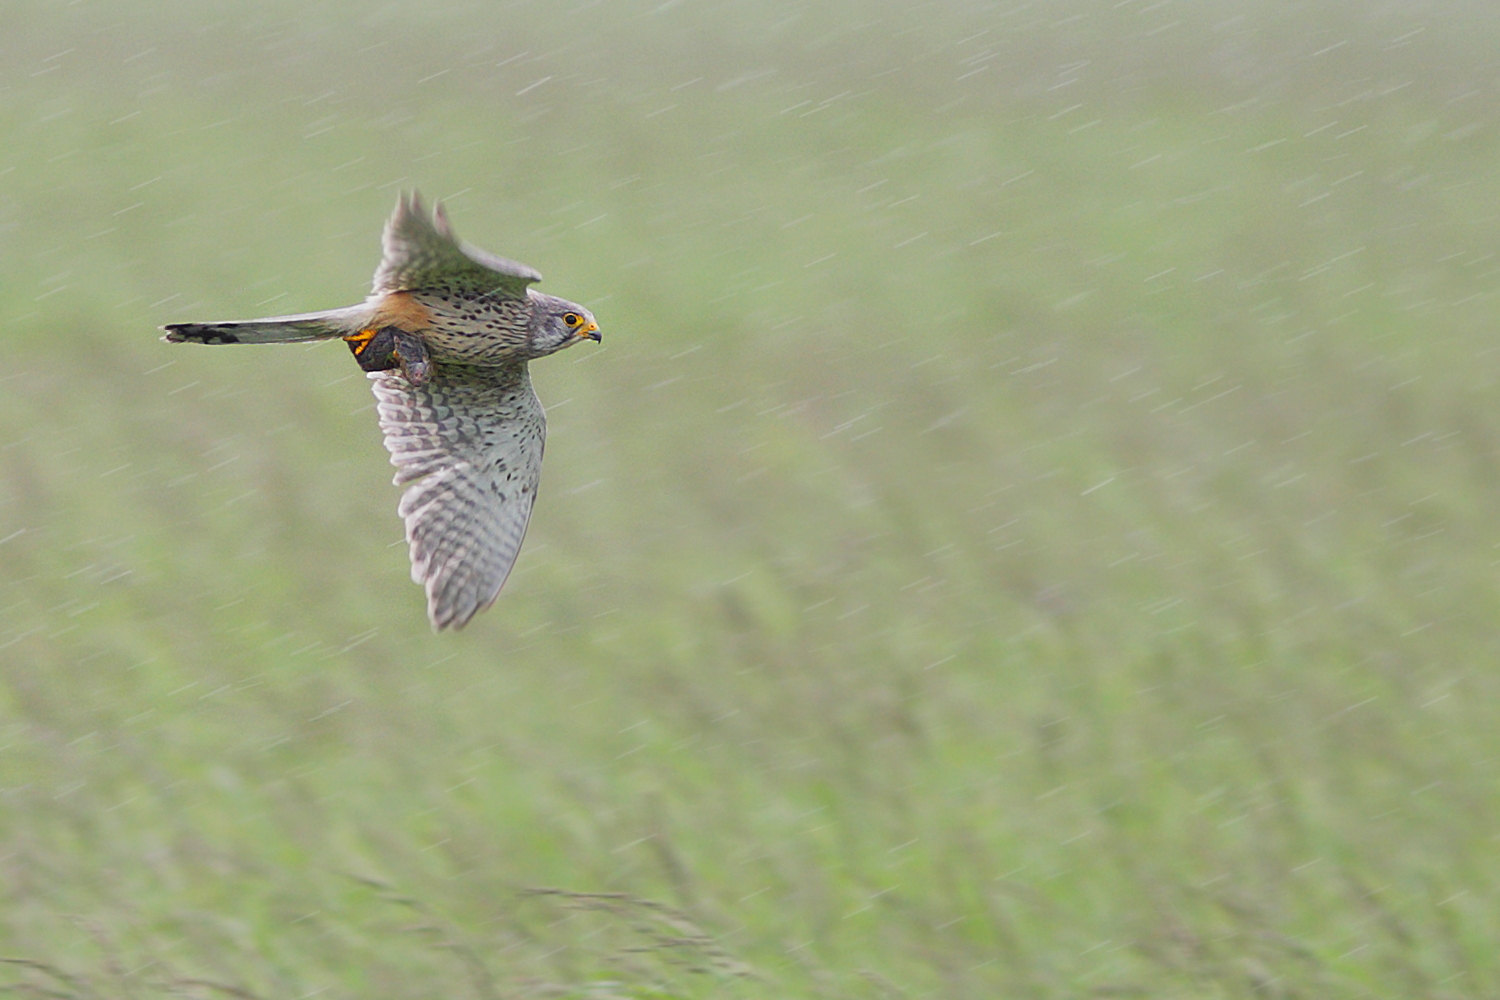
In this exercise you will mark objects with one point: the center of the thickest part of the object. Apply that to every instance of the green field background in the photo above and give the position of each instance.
(1030, 530)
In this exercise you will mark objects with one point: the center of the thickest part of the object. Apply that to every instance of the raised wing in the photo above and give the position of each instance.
(422, 254)
(469, 443)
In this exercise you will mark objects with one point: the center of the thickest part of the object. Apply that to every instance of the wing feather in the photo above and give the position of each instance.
(468, 448)
(423, 254)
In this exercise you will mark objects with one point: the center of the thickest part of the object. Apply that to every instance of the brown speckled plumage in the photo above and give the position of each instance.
(469, 444)
(446, 335)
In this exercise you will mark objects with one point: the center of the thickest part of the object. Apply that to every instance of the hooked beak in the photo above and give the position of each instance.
(591, 332)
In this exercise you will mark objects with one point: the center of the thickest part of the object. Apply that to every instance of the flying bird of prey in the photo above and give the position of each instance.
(445, 336)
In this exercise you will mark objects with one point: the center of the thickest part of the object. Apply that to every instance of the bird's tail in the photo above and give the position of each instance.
(271, 330)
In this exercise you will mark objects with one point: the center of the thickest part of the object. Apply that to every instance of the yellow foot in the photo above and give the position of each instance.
(359, 341)
(391, 349)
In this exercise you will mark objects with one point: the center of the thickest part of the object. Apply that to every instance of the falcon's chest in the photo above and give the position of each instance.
(456, 327)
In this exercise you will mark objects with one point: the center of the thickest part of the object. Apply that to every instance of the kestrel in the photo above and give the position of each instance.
(445, 336)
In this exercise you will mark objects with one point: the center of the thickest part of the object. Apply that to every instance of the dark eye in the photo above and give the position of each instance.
(572, 319)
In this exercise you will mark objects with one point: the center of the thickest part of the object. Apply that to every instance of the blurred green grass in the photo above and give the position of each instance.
(1028, 530)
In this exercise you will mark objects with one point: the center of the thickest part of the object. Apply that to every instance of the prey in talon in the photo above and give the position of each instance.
(446, 335)
(390, 349)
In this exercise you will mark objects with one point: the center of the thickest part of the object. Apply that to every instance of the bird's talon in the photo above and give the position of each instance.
(359, 341)
(392, 349)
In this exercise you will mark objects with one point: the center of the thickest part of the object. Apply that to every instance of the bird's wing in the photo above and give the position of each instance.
(422, 254)
(468, 448)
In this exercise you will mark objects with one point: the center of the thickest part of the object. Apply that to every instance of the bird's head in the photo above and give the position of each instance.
(557, 323)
